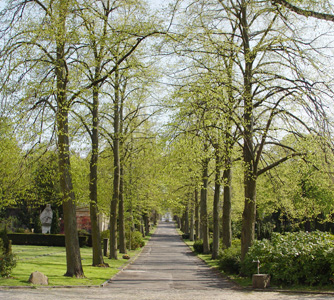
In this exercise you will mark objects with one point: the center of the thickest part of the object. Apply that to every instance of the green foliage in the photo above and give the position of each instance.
(229, 260)
(6, 244)
(293, 258)
(7, 258)
(55, 226)
(105, 235)
(37, 224)
(137, 240)
(198, 246)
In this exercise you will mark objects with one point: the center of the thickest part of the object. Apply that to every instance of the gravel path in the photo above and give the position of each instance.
(166, 269)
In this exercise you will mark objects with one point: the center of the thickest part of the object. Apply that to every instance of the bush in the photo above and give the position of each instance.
(230, 258)
(37, 224)
(55, 226)
(198, 246)
(137, 240)
(293, 258)
(105, 235)
(7, 258)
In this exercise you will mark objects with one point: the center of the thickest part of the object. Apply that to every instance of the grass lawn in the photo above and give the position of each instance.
(51, 261)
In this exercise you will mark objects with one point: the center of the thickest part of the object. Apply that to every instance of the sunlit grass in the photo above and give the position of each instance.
(51, 261)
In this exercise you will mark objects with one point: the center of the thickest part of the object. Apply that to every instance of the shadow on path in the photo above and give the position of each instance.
(167, 263)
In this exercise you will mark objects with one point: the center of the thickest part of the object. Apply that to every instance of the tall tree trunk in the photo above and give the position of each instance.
(192, 225)
(204, 208)
(216, 200)
(249, 213)
(73, 256)
(146, 224)
(121, 225)
(197, 221)
(94, 212)
(227, 206)
(186, 220)
(116, 187)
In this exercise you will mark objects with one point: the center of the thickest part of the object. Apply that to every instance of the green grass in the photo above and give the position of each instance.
(51, 261)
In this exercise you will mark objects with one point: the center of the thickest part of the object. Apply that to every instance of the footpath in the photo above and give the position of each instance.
(166, 269)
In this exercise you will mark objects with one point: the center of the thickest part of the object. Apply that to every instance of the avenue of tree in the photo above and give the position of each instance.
(218, 111)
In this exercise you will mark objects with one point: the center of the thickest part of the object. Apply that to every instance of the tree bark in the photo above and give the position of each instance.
(121, 225)
(73, 256)
(204, 208)
(227, 206)
(197, 221)
(192, 225)
(249, 213)
(216, 200)
(186, 220)
(94, 212)
(116, 187)
(146, 224)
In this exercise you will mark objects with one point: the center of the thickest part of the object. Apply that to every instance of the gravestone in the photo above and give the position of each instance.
(46, 219)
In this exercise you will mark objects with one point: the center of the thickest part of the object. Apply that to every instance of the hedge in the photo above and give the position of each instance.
(39, 239)
(294, 258)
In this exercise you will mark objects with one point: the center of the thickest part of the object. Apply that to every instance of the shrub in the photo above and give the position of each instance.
(55, 226)
(137, 240)
(230, 258)
(37, 224)
(7, 258)
(105, 235)
(198, 246)
(293, 258)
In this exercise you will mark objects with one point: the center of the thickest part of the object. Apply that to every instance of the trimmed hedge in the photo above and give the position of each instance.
(39, 239)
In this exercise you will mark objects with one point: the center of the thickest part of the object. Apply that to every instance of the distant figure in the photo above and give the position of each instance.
(46, 219)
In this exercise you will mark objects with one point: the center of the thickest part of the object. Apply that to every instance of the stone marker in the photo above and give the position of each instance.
(38, 278)
(261, 281)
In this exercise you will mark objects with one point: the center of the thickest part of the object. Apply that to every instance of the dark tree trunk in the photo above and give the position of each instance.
(216, 200)
(227, 207)
(204, 208)
(94, 212)
(192, 225)
(73, 256)
(183, 222)
(186, 221)
(250, 173)
(146, 224)
(116, 186)
(197, 221)
(122, 240)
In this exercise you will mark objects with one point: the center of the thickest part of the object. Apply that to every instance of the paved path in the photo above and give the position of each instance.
(166, 269)
(167, 263)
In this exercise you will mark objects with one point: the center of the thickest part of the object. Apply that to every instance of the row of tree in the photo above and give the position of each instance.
(253, 94)
(250, 95)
